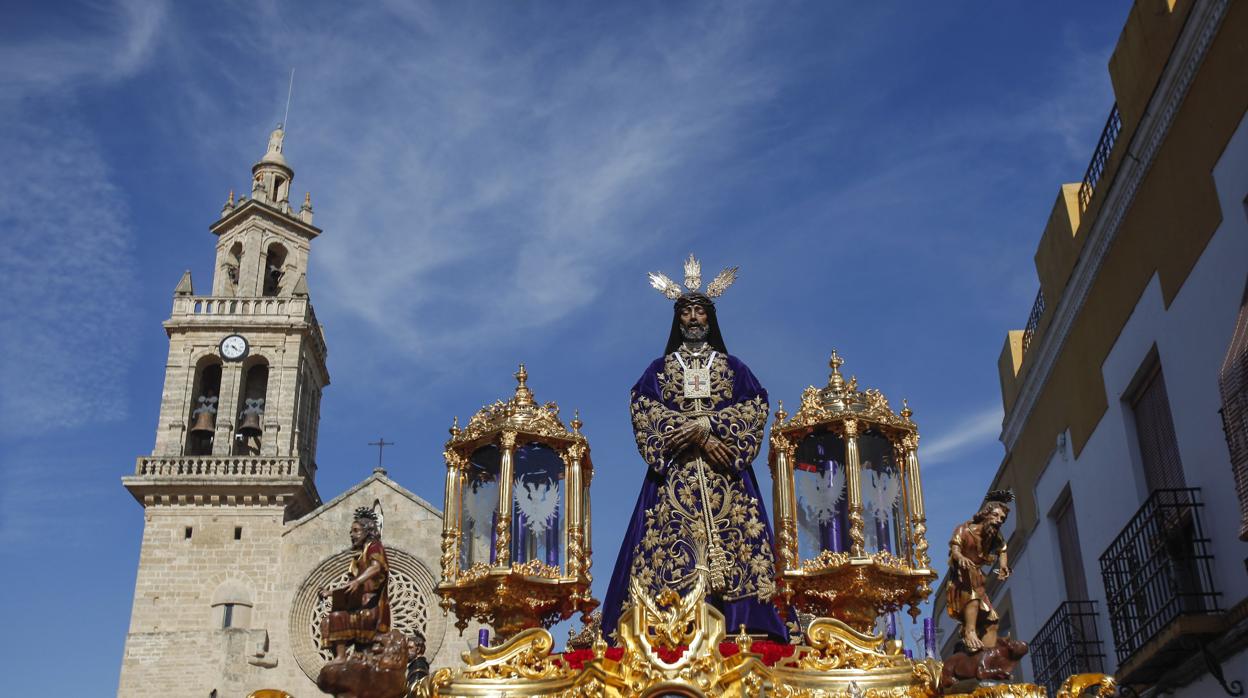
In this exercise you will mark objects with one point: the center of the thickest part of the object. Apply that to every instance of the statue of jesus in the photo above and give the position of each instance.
(698, 417)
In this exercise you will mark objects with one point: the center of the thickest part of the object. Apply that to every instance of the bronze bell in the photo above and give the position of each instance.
(205, 422)
(250, 425)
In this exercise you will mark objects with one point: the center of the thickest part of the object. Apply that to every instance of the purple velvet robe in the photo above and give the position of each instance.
(665, 539)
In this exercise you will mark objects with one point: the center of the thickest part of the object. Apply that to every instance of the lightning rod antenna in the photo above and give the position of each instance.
(289, 90)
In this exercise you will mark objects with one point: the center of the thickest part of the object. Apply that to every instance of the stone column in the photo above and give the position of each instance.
(227, 408)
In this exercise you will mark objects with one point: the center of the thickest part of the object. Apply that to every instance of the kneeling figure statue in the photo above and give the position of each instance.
(371, 660)
(980, 655)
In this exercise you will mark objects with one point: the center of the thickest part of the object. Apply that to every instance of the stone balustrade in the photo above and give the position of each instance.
(218, 466)
(280, 306)
(248, 310)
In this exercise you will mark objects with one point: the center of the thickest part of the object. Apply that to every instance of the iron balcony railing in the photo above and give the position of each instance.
(1158, 569)
(1033, 320)
(1096, 168)
(1069, 643)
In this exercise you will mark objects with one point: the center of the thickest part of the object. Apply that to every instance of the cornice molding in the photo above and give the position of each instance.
(260, 208)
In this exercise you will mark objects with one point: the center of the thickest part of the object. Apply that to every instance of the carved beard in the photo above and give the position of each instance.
(694, 333)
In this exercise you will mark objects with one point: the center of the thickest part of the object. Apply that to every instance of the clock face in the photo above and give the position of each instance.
(234, 347)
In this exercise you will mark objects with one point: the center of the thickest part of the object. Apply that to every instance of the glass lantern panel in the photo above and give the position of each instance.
(537, 505)
(479, 504)
(819, 488)
(883, 515)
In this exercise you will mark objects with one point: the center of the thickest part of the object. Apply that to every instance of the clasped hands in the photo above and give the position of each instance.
(697, 434)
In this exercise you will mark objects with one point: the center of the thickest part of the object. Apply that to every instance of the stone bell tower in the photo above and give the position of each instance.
(235, 451)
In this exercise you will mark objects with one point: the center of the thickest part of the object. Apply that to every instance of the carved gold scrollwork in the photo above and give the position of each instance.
(524, 656)
(1078, 684)
(835, 645)
(922, 559)
(454, 460)
(851, 428)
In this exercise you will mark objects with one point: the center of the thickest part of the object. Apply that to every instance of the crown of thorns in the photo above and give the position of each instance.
(366, 513)
(998, 497)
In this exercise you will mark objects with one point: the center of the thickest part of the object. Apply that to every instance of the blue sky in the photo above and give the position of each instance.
(494, 180)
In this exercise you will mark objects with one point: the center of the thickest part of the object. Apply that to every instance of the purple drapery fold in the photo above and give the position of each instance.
(494, 537)
(756, 615)
(830, 533)
(552, 541)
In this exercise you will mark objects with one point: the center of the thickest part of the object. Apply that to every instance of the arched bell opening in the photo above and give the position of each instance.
(479, 504)
(281, 188)
(230, 267)
(537, 496)
(251, 400)
(819, 490)
(274, 269)
(206, 393)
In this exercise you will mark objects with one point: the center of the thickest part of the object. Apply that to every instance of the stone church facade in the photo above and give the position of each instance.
(236, 540)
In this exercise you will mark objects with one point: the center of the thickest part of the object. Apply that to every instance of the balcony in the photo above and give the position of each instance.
(1033, 320)
(218, 480)
(1100, 158)
(1069, 643)
(1159, 586)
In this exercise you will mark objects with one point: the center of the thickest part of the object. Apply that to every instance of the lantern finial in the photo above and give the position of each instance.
(835, 380)
(781, 415)
(524, 396)
(743, 640)
(576, 422)
(905, 409)
(455, 427)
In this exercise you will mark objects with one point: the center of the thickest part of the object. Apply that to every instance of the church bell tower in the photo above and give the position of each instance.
(235, 452)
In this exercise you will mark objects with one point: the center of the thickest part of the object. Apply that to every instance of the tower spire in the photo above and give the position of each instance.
(271, 177)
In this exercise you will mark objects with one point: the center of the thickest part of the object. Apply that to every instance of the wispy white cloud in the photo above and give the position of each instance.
(483, 177)
(973, 431)
(68, 273)
(67, 278)
(110, 43)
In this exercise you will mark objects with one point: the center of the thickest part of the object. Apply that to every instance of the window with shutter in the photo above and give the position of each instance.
(1154, 428)
(1068, 547)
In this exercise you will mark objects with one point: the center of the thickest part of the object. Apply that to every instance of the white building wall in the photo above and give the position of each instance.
(1106, 480)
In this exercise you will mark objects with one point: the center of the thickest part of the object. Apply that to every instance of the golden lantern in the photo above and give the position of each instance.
(851, 538)
(515, 532)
